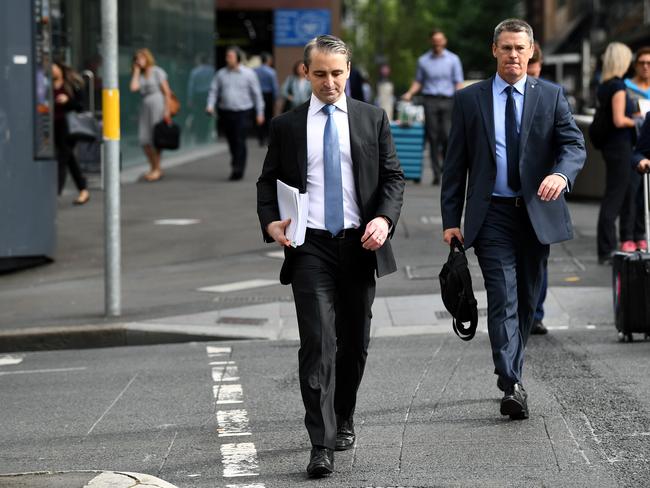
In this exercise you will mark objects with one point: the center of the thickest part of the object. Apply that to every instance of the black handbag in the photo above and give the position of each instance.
(166, 136)
(457, 293)
(82, 126)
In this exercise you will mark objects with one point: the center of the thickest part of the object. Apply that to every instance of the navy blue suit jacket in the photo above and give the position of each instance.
(550, 142)
(642, 148)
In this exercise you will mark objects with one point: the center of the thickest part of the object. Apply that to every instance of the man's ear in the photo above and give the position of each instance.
(349, 70)
(494, 50)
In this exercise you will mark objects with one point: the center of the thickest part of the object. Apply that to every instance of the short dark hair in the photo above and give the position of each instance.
(328, 44)
(537, 54)
(237, 51)
(266, 56)
(513, 25)
(642, 51)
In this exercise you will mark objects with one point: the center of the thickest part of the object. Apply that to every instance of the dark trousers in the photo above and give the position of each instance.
(437, 123)
(66, 160)
(333, 287)
(618, 172)
(512, 261)
(539, 310)
(263, 130)
(632, 219)
(235, 125)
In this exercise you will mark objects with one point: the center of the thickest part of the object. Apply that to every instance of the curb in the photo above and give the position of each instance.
(113, 335)
(81, 479)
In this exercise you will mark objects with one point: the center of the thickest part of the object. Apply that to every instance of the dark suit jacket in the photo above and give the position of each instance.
(550, 142)
(642, 148)
(378, 175)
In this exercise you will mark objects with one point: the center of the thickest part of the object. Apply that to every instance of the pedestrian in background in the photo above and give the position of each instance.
(296, 89)
(235, 91)
(151, 81)
(385, 91)
(351, 217)
(525, 151)
(617, 146)
(270, 91)
(439, 74)
(198, 86)
(67, 86)
(632, 215)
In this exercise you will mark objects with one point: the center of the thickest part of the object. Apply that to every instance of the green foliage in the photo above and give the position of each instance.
(399, 30)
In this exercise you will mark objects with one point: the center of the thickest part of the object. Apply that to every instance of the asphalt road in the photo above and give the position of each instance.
(427, 414)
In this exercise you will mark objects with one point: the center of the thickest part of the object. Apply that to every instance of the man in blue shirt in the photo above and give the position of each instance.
(439, 74)
(270, 90)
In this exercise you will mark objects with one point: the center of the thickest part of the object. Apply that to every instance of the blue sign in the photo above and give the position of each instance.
(297, 27)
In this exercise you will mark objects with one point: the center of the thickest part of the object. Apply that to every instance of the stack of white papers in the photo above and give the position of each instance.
(295, 206)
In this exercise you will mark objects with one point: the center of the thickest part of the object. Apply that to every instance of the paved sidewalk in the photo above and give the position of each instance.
(82, 479)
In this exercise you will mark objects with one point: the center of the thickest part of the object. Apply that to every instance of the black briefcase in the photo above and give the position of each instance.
(166, 136)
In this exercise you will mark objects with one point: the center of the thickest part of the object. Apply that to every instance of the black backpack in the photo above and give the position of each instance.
(457, 293)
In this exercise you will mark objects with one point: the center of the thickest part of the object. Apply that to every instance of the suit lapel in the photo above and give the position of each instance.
(300, 141)
(354, 122)
(531, 97)
(486, 105)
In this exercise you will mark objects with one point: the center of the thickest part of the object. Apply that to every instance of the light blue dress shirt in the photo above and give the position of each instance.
(439, 75)
(499, 98)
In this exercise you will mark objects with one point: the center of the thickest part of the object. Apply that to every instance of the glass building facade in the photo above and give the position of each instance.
(179, 33)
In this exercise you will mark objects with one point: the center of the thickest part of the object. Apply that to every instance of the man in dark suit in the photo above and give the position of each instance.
(515, 145)
(341, 152)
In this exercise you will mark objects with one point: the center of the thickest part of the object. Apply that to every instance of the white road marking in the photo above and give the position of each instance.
(250, 485)
(232, 423)
(218, 351)
(9, 360)
(239, 286)
(228, 394)
(275, 254)
(112, 404)
(225, 373)
(575, 441)
(222, 363)
(239, 460)
(590, 327)
(35, 371)
(176, 221)
(558, 327)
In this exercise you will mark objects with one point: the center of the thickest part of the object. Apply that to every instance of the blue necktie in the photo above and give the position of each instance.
(333, 185)
(512, 142)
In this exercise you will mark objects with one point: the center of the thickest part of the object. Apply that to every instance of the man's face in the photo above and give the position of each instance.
(642, 67)
(231, 59)
(512, 51)
(534, 69)
(438, 42)
(328, 74)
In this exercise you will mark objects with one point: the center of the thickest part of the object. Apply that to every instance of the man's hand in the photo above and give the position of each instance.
(276, 230)
(452, 232)
(407, 97)
(259, 119)
(551, 188)
(209, 110)
(376, 234)
(644, 166)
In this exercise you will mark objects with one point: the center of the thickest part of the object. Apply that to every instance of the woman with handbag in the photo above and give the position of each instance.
(616, 145)
(151, 81)
(67, 84)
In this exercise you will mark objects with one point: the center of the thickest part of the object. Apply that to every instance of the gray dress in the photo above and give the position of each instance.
(152, 107)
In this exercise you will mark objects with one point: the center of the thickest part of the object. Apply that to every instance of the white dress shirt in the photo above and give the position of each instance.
(316, 120)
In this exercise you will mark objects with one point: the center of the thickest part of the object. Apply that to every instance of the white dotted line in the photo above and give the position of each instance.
(239, 459)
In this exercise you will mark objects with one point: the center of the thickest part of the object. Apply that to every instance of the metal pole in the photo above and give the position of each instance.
(111, 117)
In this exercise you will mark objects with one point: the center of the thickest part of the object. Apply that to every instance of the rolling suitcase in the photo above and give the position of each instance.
(631, 285)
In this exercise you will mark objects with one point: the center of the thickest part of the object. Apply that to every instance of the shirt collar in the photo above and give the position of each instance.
(315, 105)
(501, 84)
(436, 56)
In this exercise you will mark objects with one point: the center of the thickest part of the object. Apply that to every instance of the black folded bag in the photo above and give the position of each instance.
(457, 293)
(166, 136)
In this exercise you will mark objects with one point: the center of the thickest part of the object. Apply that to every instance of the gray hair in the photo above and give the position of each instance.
(513, 25)
(326, 44)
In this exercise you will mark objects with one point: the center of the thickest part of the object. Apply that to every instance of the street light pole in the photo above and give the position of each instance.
(111, 119)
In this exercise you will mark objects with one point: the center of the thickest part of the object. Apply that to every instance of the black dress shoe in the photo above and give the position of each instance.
(515, 402)
(321, 462)
(538, 328)
(236, 176)
(345, 436)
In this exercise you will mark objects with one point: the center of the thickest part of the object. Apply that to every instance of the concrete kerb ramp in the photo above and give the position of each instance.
(82, 479)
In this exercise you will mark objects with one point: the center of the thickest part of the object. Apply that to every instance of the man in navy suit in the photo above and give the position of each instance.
(514, 149)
